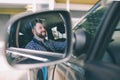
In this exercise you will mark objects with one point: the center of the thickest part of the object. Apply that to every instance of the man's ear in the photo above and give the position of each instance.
(33, 30)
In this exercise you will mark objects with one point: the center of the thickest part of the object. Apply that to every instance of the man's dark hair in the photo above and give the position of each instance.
(28, 27)
(37, 20)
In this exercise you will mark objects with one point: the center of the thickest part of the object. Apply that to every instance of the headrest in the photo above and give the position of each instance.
(27, 31)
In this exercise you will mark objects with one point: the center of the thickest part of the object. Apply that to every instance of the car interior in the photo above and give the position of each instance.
(21, 33)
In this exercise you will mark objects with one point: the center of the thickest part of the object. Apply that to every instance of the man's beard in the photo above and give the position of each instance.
(40, 35)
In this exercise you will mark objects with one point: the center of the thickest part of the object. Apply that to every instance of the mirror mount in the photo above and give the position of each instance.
(82, 41)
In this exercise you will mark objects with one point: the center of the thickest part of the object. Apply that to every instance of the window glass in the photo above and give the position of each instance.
(90, 24)
(114, 46)
(91, 21)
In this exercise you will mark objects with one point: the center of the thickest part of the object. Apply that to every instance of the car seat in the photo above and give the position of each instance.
(25, 35)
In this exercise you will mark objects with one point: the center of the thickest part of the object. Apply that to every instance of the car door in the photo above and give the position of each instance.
(98, 65)
(73, 70)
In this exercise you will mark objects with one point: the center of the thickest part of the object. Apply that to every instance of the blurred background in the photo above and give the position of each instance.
(77, 8)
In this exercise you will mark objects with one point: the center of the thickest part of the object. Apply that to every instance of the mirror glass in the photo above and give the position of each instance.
(37, 38)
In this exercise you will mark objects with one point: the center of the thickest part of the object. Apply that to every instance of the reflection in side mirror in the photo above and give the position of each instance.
(39, 39)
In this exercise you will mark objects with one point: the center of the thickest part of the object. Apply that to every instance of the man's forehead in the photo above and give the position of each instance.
(39, 25)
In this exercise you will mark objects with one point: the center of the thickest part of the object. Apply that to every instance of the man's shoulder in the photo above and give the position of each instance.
(30, 44)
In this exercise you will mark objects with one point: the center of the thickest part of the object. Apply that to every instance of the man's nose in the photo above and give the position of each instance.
(43, 29)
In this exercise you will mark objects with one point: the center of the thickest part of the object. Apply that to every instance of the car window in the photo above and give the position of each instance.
(90, 24)
(114, 45)
(91, 21)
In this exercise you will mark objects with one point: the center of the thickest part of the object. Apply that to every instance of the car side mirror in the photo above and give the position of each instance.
(20, 34)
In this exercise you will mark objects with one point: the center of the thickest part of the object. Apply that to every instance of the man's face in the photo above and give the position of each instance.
(39, 30)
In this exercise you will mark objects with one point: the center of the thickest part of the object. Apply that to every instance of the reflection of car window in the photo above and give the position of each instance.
(57, 34)
(91, 21)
